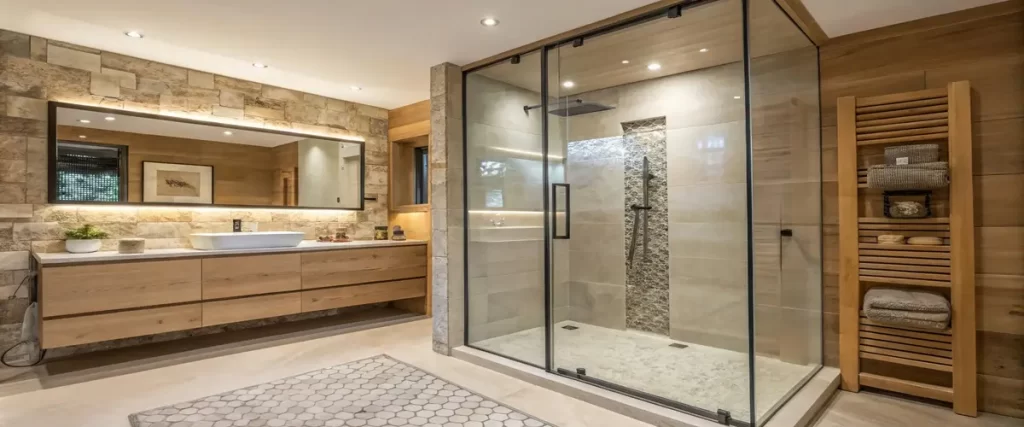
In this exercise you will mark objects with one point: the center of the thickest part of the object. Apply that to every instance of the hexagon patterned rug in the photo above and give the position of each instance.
(378, 391)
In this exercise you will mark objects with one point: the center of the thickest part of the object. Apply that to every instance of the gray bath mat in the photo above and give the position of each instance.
(378, 391)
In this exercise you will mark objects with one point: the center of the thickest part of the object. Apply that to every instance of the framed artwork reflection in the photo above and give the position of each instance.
(176, 183)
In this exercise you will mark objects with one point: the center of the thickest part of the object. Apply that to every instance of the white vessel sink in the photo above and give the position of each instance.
(257, 240)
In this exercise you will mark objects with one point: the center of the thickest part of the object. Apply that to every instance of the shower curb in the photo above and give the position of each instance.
(798, 412)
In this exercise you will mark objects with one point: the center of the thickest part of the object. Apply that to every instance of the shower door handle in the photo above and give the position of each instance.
(554, 208)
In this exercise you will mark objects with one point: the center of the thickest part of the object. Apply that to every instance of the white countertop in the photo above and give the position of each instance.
(306, 245)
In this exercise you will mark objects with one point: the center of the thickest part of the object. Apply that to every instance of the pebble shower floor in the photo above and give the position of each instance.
(378, 391)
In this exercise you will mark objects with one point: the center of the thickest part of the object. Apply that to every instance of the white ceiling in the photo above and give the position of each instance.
(384, 46)
(319, 46)
(839, 18)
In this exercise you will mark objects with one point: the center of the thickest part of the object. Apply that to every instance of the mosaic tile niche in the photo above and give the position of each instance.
(647, 285)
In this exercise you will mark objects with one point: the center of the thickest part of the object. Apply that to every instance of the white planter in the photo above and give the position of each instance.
(82, 246)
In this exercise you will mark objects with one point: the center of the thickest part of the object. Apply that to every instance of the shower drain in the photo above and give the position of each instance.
(677, 345)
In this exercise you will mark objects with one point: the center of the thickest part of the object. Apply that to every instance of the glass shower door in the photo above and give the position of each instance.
(652, 132)
(505, 183)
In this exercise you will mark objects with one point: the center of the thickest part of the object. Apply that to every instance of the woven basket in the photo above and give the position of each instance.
(908, 209)
(918, 153)
(922, 176)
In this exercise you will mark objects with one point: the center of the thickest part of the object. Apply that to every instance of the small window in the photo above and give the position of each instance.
(89, 172)
(422, 161)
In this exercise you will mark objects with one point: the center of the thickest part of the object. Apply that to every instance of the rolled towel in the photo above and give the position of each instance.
(899, 299)
(911, 319)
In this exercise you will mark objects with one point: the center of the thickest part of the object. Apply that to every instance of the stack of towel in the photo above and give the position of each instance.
(914, 309)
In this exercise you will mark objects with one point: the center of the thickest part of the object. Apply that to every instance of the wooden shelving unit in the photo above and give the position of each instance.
(865, 126)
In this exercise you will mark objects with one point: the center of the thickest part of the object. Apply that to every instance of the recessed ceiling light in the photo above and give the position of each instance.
(703, 50)
(84, 121)
(82, 136)
(737, 97)
(568, 84)
(259, 65)
(356, 88)
(654, 66)
(110, 118)
(625, 61)
(489, 22)
(133, 34)
(228, 133)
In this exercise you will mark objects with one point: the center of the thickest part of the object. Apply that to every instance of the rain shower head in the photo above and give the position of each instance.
(573, 107)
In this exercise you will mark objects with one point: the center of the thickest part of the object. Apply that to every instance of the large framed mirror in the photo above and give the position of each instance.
(105, 156)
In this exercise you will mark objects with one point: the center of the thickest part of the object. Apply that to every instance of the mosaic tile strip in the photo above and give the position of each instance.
(378, 391)
(647, 289)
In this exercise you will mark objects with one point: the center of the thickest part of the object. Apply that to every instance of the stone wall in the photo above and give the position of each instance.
(35, 70)
(446, 209)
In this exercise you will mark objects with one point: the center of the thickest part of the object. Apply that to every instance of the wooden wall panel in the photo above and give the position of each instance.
(243, 174)
(985, 46)
(410, 121)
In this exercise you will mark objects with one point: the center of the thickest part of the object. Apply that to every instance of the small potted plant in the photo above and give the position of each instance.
(84, 239)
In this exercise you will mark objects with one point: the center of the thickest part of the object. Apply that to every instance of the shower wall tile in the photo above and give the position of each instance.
(597, 275)
(708, 203)
(599, 267)
(500, 268)
(505, 173)
(768, 330)
(697, 98)
(707, 240)
(787, 169)
(712, 154)
(709, 301)
(788, 154)
(800, 335)
(595, 236)
(796, 203)
(500, 104)
(710, 312)
(599, 304)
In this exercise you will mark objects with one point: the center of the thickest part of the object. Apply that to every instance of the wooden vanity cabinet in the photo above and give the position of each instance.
(91, 302)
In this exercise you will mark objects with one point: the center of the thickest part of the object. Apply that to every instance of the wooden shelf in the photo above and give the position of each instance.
(929, 391)
(883, 220)
(411, 208)
(905, 282)
(941, 115)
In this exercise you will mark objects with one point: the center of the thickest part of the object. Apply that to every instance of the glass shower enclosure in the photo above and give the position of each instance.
(643, 208)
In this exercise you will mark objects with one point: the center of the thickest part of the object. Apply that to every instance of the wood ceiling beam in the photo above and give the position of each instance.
(625, 16)
(803, 19)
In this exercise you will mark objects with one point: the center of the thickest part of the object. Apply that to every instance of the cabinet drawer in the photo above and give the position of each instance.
(242, 309)
(250, 275)
(69, 331)
(352, 266)
(104, 287)
(346, 296)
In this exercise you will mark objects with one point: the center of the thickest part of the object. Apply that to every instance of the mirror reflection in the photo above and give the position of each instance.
(104, 156)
